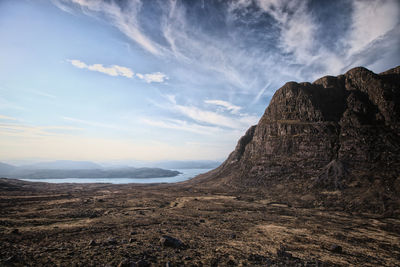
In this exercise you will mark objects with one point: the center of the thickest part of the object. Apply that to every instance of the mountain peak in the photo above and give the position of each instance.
(335, 134)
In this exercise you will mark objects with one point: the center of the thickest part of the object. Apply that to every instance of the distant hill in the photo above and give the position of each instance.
(79, 169)
(6, 168)
(333, 143)
(193, 164)
(64, 165)
(95, 173)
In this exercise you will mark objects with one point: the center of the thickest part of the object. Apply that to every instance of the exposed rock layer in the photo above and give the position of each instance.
(334, 142)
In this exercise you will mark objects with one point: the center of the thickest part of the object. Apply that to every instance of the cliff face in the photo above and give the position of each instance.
(334, 141)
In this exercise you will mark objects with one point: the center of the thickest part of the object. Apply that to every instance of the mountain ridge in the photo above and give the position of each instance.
(332, 143)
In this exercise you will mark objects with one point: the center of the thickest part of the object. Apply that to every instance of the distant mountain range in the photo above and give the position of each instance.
(79, 169)
(63, 165)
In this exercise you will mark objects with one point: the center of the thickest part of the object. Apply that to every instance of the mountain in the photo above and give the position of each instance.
(331, 143)
(6, 168)
(79, 169)
(94, 173)
(64, 165)
(190, 164)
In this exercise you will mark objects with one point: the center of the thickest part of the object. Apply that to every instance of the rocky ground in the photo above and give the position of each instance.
(170, 225)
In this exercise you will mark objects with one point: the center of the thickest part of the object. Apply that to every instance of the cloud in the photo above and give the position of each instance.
(3, 117)
(125, 19)
(211, 118)
(90, 123)
(371, 20)
(44, 94)
(29, 131)
(228, 106)
(156, 77)
(181, 125)
(114, 70)
(258, 44)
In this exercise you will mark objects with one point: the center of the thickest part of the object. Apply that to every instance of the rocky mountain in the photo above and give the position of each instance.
(331, 143)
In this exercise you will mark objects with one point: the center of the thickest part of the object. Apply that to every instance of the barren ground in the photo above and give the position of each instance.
(110, 225)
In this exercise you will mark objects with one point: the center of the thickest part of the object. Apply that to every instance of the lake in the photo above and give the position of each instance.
(186, 174)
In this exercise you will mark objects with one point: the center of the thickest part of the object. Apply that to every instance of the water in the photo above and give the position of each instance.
(186, 174)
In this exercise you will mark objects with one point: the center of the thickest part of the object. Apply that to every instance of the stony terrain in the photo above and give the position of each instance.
(117, 225)
(315, 183)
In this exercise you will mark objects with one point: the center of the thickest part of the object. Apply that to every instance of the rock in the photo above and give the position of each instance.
(128, 263)
(168, 241)
(323, 136)
(11, 259)
(282, 253)
(231, 261)
(125, 263)
(142, 263)
(111, 241)
(336, 249)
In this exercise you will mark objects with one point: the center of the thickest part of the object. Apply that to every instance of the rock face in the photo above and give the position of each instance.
(335, 142)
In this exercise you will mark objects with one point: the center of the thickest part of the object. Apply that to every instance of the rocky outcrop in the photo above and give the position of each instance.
(333, 142)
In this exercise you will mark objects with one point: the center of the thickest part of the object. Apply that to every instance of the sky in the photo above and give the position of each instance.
(177, 80)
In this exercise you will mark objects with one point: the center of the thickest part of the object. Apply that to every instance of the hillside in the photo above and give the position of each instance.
(333, 143)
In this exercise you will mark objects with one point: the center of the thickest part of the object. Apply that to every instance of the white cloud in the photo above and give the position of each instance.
(228, 106)
(236, 121)
(299, 54)
(156, 77)
(78, 63)
(371, 20)
(181, 126)
(114, 70)
(124, 19)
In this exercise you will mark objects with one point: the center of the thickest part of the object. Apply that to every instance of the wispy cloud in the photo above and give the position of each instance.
(209, 117)
(156, 77)
(41, 93)
(113, 70)
(181, 125)
(125, 19)
(6, 104)
(226, 105)
(8, 118)
(290, 47)
(90, 123)
(29, 131)
(116, 70)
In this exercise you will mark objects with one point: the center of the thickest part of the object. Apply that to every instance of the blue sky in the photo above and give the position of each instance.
(153, 80)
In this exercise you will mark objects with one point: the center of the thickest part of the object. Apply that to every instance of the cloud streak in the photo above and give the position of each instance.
(224, 104)
(287, 37)
(116, 70)
(113, 70)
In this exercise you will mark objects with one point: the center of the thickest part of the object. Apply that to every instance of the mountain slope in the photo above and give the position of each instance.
(334, 143)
